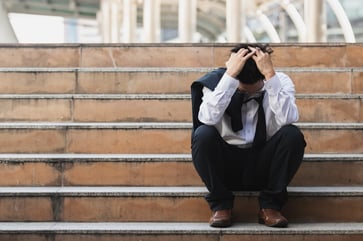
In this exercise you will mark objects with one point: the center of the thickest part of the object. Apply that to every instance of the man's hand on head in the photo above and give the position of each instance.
(237, 60)
(263, 62)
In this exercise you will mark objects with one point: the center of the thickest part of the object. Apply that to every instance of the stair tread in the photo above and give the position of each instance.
(178, 227)
(167, 69)
(158, 96)
(20, 157)
(169, 191)
(105, 96)
(157, 125)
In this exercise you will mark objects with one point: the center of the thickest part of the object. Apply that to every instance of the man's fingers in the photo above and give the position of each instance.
(245, 54)
(257, 51)
(242, 51)
(255, 48)
(250, 54)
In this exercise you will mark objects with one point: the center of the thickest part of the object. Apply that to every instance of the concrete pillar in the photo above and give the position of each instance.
(151, 21)
(105, 21)
(233, 20)
(129, 21)
(187, 20)
(7, 34)
(243, 16)
(115, 21)
(110, 19)
(314, 15)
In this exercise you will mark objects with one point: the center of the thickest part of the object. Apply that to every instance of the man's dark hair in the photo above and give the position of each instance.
(250, 73)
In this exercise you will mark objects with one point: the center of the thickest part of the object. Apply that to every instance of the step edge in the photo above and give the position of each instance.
(178, 228)
(164, 69)
(72, 157)
(167, 191)
(155, 125)
(13, 157)
(155, 96)
(100, 96)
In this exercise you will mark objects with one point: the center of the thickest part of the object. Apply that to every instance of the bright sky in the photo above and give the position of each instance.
(37, 28)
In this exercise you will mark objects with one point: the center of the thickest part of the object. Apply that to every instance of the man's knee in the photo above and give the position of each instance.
(292, 134)
(205, 133)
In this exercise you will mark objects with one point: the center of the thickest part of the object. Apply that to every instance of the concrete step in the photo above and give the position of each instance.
(151, 80)
(155, 107)
(139, 138)
(150, 231)
(168, 204)
(155, 170)
(171, 55)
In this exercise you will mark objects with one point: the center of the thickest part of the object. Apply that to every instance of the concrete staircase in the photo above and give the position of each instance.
(95, 144)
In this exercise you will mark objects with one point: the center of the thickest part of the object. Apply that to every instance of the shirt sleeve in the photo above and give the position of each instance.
(214, 103)
(281, 93)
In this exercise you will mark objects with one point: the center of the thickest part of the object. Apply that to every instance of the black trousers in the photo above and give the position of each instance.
(226, 168)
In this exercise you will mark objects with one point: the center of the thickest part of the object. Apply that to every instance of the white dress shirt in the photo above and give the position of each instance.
(279, 106)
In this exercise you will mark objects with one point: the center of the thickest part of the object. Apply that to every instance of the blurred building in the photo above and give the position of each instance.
(210, 21)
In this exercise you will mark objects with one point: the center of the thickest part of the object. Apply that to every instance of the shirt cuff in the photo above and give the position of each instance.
(227, 83)
(273, 85)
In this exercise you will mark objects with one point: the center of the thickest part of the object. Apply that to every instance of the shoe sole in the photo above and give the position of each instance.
(220, 224)
(282, 224)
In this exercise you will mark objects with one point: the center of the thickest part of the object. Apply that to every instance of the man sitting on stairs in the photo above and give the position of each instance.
(243, 134)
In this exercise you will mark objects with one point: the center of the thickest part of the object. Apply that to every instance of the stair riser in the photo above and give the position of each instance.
(143, 110)
(295, 237)
(39, 56)
(143, 141)
(36, 110)
(141, 82)
(104, 236)
(74, 236)
(156, 174)
(172, 56)
(169, 209)
(331, 82)
(37, 82)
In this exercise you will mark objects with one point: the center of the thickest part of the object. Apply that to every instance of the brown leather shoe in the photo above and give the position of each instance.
(272, 218)
(221, 218)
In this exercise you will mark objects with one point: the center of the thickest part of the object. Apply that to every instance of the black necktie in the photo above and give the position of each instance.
(260, 134)
(234, 111)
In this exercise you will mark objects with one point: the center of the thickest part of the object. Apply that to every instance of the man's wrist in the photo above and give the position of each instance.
(231, 73)
(269, 75)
